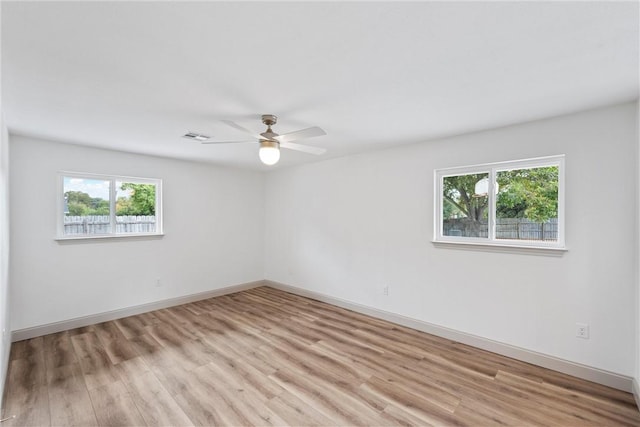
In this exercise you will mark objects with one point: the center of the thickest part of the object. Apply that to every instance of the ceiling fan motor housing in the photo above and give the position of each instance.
(269, 119)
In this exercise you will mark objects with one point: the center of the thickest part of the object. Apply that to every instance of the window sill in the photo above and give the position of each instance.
(502, 247)
(110, 237)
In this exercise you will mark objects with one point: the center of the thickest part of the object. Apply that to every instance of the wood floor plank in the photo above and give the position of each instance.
(204, 407)
(59, 350)
(574, 404)
(246, 399)
(94, 361)
(170, 334)
(133, 326)
(155, 404)
(229, 351)
(246, 374)
(30, 407)
(71, 409)
(27, 391)
(426, 407)
(470, 413)
(116, 345)
(175, 378)
(66, 378)
(114, 406)
(27, 372)
(26, 348)
(131, 367)
(81, 330)
(310, 359)
(295, 412)
(401, 417)
(266, 357)
(334, 403)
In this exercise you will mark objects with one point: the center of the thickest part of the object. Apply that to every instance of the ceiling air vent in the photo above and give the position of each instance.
(196, 136)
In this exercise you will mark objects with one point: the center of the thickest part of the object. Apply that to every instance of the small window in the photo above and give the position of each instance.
(517, 203)
(103, 206)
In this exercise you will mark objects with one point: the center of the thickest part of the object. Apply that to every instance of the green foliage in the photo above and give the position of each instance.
(102, 208)
(78, 197)
(528, 193)
(82, 204)
(77, 209)
(141, 202)
(449, 210)
(460, 198)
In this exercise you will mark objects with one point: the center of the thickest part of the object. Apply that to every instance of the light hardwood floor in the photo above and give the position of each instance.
(266, 357)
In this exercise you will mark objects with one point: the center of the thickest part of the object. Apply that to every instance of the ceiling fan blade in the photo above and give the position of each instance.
(227, 142)
(300, 134)
(242, 129)
(304, 148)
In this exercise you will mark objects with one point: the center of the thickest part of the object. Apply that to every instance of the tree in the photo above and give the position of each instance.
(460, 192)
(528, 193)
(78, 197)
(77, 209)
(82, 204)
(101, 207)
(142, 200)
(124, 206)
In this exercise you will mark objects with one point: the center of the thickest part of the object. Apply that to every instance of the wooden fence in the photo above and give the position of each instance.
(101, 224)
(506, 228)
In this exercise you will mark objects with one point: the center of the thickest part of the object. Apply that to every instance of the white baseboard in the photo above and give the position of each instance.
(636, 392)
(611, 379)
(36, 331)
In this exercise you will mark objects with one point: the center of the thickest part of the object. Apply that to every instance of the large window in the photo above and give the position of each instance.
(517, 203)
(103, 206)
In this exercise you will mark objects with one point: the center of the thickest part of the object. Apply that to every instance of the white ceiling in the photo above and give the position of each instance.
(136, 76)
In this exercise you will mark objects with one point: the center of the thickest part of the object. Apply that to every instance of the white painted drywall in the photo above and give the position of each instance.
(5, 321)
(5, 325)
(347, 227)
(213, 226)
(637, 260)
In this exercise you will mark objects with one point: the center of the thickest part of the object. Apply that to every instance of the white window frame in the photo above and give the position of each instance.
(492, 169)
(112, 205)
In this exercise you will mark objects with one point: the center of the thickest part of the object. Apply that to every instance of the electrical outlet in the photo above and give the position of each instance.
(385, 291)
(582, 330)
(158, 283)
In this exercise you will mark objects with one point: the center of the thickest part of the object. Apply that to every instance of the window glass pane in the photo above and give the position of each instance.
(527, 204)
(86, 206)
(465, 204)
(135, 207)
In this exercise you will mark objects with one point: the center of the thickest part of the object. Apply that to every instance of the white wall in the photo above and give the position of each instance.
(5, 325)
(637, 234)
(213, 226)
(346, 227)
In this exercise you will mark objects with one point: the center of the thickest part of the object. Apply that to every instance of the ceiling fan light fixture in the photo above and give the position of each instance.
(269, 152)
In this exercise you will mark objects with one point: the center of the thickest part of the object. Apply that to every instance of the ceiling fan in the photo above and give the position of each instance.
(270, 142)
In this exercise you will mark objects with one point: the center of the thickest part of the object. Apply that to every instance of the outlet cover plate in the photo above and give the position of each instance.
(582, 330)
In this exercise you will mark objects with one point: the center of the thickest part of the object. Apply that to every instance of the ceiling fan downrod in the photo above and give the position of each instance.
(269, 120)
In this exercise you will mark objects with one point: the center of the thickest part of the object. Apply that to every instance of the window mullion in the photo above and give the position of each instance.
(112, 205)
(492, 204)
(439, 203)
